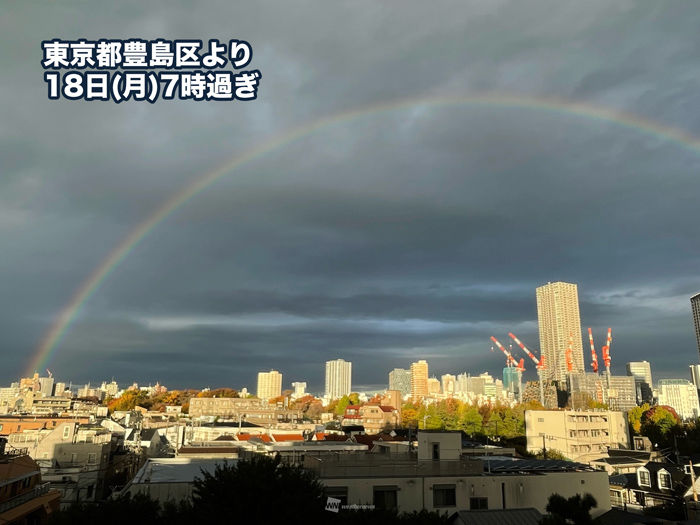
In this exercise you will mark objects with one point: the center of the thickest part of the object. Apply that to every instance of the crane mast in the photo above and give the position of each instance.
(594, 357)
(539, 364)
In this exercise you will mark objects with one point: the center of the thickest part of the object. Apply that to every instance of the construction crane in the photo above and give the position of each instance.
(594, 357)
(510, 360)
(539, 364)
(606, 351)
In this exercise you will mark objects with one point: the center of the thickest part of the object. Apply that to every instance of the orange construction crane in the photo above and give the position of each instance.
(510, 361)
(606, 351)
(539, 364)
(569, 354)
(594, 357)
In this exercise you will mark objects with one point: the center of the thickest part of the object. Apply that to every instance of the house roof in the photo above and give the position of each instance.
(529, 516)
(287, 437)
(620, 517)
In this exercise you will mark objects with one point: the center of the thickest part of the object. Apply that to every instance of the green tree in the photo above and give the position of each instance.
(278, 488)
(470, 420)
(573, 511)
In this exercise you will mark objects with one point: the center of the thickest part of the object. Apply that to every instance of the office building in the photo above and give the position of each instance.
(681, 395)
(448, 384)
(433, 386)
(338, 378)
(641, 371)
(299, 390)
(512, 381)
(400, 379)
(695, 306)
(269, 384)
(559, 324)
(695, 376)
(46, 386)
(419, 380)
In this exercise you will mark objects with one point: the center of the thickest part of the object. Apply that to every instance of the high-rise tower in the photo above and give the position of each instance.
(559, 322)
(419, 380)
(338, 378)
(695, 305)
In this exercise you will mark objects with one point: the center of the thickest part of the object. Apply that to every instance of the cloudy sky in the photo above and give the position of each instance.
(416, 232)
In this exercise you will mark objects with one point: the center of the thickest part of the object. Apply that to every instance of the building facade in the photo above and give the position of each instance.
(681, 395)
(400, 379)
(338, 378)
(576, 433)
(559, 322)
(641, 371)
(269, 384)
(419, 380)
(695, 306)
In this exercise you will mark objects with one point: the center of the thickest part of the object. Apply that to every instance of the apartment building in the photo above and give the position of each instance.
(338, 378)
(269, 384)
(24, 496)
(255, 411)
(576, 434)
(439, 478)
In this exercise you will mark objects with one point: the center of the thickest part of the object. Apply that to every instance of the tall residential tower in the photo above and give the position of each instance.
(338, 378)
(695, 305)
(559, 322)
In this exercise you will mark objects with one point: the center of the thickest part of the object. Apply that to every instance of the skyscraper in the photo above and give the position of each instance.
(695, 305)
(641, 371)
(338, 378)
(400, 379)
(269, 384)
(419, 379)
(559, 321)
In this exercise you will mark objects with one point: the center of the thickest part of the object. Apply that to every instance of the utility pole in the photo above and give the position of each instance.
(692, 477)
(544, 447)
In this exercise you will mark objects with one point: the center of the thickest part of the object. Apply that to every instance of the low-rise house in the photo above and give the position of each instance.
(654, 484)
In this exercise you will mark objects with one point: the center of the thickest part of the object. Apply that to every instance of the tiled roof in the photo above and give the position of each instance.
(287, 437)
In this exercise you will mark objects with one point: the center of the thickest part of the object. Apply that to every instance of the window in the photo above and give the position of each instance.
(644, 478)
(340, 493)
(436, 451)
(386, 497)
(66, 432)
(74, 458)
(90, 491)
(444, 496)
(92, 458)
(478, 503)
(664, 480)
(540, 420)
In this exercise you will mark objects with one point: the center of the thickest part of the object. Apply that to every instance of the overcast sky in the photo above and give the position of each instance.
(410, 234)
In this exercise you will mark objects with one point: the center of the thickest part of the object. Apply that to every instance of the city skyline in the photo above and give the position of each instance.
(388, 199)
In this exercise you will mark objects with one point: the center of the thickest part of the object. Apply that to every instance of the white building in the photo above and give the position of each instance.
(269, 384)
(338, 378)
(299, 389)
(681, 395)
(576, 433)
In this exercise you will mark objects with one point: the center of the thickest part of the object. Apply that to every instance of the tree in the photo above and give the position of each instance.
(470, 420)
(576, 510)
(233, 489)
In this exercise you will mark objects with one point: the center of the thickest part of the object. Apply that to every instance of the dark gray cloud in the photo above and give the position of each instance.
(404, 234)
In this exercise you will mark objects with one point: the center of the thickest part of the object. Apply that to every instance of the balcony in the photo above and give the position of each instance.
(11, 503)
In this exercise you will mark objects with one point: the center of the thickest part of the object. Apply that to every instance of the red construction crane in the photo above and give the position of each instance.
(606, 350)
(594, 357)
(569, 354)
(538, 362)
(510, 361)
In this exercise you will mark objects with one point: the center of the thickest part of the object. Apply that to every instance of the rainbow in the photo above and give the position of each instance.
(71, 311)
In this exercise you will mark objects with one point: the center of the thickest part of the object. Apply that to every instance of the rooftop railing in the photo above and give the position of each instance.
(11, 503)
